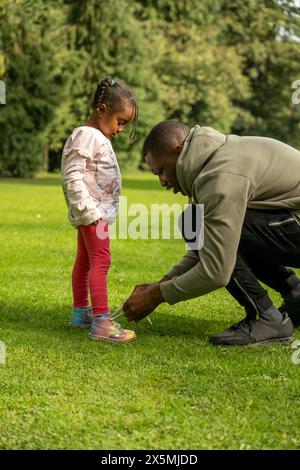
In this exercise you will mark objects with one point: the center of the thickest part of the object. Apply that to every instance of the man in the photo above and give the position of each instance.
(250, 189)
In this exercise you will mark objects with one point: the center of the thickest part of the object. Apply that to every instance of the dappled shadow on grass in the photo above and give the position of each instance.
(44, 333)
(53, 323)
(178, 326)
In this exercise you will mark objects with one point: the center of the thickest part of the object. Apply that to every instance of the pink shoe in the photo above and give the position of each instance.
(104, 328)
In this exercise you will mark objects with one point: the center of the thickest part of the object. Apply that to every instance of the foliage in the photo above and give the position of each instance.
(267, 40)
(229, 65)
(33, 57)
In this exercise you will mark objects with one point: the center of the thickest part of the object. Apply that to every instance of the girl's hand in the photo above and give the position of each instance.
(96, 222)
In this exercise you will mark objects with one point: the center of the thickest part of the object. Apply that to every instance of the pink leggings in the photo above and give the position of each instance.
(90, 269)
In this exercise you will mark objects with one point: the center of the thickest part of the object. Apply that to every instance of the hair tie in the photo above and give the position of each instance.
(112, 83)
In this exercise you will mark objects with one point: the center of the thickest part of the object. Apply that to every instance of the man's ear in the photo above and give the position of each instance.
(178, 149)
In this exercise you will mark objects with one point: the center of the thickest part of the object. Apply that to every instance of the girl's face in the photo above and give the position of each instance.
(111, 122)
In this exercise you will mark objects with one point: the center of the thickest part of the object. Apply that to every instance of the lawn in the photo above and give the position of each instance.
(169, 390)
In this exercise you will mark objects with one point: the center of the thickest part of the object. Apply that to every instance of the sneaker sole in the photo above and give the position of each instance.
(286, 341)
(103, 338)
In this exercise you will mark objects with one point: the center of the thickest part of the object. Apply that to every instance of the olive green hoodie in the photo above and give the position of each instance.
(228, 174)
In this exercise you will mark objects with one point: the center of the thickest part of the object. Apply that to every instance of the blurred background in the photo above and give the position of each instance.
(225, 64)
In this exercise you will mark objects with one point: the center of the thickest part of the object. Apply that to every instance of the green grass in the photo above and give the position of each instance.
(169, 389)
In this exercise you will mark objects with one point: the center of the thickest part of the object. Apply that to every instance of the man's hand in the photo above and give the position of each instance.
(141, 287)
(142, 301)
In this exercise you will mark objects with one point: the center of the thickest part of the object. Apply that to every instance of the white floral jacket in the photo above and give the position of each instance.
(91, 177)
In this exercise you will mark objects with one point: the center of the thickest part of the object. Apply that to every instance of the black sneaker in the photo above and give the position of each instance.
(252, 331)
(292, 308)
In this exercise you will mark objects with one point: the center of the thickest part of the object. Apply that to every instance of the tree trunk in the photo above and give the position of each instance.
(46, 158)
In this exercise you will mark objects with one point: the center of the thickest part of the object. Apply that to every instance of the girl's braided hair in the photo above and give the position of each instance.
(113, 94)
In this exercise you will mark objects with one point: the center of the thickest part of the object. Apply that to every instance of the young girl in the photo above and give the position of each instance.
(92, 183)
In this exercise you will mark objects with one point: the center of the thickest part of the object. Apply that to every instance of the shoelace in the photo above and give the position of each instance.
(115, 324)
(117, 313)
(242, 323)
(120, 311)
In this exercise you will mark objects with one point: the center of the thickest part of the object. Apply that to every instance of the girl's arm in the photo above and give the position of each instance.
(81, 203)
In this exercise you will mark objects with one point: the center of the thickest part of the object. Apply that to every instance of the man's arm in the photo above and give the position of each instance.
(225, 197)
(189, 260)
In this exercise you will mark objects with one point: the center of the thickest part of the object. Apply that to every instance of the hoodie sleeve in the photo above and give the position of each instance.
(188, 262)
(225, 197)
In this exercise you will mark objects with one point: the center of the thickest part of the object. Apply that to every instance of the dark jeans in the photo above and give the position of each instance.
(270, 241)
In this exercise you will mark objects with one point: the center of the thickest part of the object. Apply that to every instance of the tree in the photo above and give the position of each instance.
(32, 48)
(225, 64)
(200, 76)
(267, 38)
(111, 41)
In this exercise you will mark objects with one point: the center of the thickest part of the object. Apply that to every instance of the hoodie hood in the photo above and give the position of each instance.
(200, 144)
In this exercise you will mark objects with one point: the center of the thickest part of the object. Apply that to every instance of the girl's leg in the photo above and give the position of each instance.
(98, 250)
(103, 327)
(80, 274)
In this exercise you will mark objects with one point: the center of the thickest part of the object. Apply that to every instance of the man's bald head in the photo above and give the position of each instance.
(165, 138)
(161, 150)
